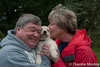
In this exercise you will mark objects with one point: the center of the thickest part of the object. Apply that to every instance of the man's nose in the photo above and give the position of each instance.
(36, 34)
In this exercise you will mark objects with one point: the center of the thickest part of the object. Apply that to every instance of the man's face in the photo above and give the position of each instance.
(30, 34)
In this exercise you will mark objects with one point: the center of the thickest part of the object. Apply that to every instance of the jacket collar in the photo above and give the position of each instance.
(79, 39)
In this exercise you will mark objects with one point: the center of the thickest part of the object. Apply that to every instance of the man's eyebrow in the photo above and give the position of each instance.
(34, 28)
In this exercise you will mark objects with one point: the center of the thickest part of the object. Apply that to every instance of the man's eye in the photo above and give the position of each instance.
(32, 30)
(39, 32)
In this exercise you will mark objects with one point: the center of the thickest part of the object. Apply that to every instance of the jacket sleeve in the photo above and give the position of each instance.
(45, 62)
(19, 60)
(60, 63)
(86, 55)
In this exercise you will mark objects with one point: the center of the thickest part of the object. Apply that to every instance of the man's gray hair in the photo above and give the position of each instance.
(26, 18)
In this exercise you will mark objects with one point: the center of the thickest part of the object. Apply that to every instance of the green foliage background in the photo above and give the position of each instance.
(87, 11)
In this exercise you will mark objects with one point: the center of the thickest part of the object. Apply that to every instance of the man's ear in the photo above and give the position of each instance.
(18, 29)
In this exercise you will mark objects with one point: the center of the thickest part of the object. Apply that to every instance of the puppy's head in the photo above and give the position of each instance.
(45, 33)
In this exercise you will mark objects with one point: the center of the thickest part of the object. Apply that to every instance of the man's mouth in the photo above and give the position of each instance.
(33, 39)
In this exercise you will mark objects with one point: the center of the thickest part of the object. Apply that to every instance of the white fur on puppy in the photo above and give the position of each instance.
(46, 40)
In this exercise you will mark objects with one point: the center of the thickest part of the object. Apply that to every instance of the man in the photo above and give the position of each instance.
(18, 46)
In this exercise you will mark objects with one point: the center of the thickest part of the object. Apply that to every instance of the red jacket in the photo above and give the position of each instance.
(78, 52)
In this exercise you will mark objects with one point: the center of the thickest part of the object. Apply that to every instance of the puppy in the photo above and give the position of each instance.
(46, 40)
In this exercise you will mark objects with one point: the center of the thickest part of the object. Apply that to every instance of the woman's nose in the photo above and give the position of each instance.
(49, 26)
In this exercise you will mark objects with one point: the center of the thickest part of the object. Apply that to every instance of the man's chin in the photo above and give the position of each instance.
(32, 45)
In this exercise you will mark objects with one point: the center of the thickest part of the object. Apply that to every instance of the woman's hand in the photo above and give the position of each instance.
(46, 51)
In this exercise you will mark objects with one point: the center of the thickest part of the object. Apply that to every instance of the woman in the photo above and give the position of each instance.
(74, 45)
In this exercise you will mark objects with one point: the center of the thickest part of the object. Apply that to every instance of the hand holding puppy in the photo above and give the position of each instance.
(46, 51)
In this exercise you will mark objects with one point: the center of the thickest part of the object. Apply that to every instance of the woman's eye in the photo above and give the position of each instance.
(47, 30)
(52, 24)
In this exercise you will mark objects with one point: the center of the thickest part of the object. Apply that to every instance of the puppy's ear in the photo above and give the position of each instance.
(41, 28)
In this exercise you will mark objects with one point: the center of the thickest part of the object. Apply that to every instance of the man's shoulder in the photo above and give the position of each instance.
(9, 49)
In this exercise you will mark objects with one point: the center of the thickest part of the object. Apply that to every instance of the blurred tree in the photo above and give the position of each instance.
(94, 21)
(88, 16)
(87, 11)
(12, 9)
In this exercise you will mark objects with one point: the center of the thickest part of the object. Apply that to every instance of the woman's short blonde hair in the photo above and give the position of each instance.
(64, 18)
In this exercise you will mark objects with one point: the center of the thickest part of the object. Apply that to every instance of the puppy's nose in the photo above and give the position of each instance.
(44, 32)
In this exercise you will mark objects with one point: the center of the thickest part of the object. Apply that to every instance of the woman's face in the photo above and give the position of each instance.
(55, 31)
